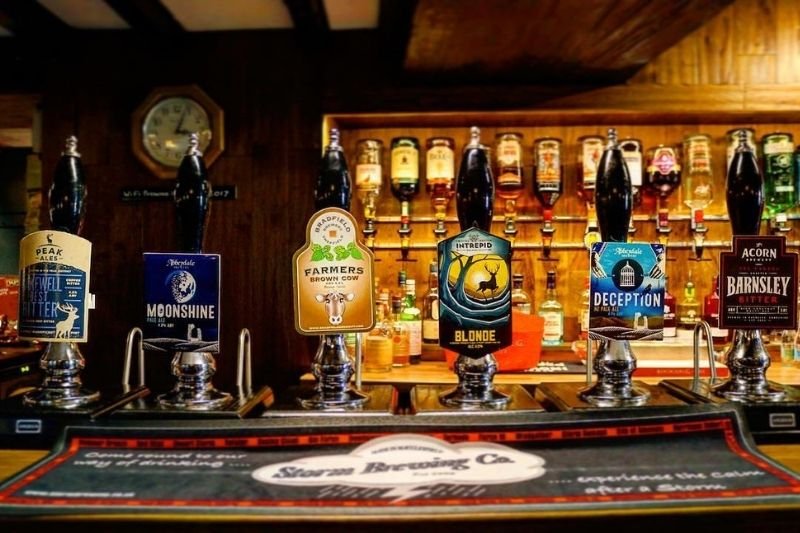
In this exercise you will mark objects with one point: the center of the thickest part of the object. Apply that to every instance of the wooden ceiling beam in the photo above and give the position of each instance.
(147, 16)
(310, 20)
(394, 27)
(30, 19)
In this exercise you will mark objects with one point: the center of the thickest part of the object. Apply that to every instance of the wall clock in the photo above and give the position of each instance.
(161, 126)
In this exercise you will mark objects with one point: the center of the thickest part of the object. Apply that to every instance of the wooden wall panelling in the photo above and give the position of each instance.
(571, 266)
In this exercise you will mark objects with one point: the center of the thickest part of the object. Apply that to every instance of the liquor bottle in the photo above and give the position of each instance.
(586, 304)
(440, 175)
(777, 150)
(632, 154)
(548, 172)
(430, 307)
(711, 314)
(553, 313)
(520, 300)
(67, 195)
(588, 160)
(378, 343)
(670, 307)
(333, 180)
(689, 307)
(744, 190)
(475, 186)
(405, 168)
(697, 180)
(400, 334)
(663, 171)
(412, 316)
(508, 161)
(613, 192)
(192, 196)
(369, 173)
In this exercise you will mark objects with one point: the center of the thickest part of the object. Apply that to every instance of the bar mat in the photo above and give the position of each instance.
(635, 459)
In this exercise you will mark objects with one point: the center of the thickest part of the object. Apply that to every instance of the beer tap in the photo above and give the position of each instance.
(614, 362)
(747, 359)
(62, 361)
(699, 230)
(193, 370)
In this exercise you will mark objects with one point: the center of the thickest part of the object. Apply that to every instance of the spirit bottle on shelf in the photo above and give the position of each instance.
(689, 307)
(400, 335)
(588, 158)
(632, 154)
(378, 343)
(508, 176)
(711, 314)
(333, 181)
(430, 307)
(440, 177)
(552, 312)
(697, 186)
(369, 180)
(779, 179)
(548, 172)
(405, 182)
(475, 186)
(412, 316)
(670, 305)
(520, 300)
(663, 171)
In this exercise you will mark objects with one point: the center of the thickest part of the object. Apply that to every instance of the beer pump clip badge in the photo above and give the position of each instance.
(475, 293)
(54, 297)
(333, 279)
(758, 284)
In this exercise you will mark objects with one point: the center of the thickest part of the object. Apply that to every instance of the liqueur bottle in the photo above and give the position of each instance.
(711, 314)
(333, 181)
(400, 335)
(612, 193)
(520, 300)
(430, 307)
(369, 171)
(548, 172)
(663, 171)
(588, 160)
(378, 343)
(67, 195)
(405, 168)
(192, 195)
(412, 316)
(744, 191)
(475, 186)
(670, 318)
(779, 186)
(440, 177)
(697, 187)
(552, 312)
(508, 150)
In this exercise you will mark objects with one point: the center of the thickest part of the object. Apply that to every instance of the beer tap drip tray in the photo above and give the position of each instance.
(768, 421)
(425, 401)
(382, 400)
(240, 405)
(24, 426)
(566, 396)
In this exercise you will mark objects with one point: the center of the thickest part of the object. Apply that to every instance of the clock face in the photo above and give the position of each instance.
(166, 129)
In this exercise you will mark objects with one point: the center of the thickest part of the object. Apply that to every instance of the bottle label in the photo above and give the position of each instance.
(663, 162)
(400, 347)
(333, 277)
(54, 287)
(634, 162)
(699, 154)
(553, 326)
(378, 353)
(430, 330)
(405, 165)
(548, 166)
(509, 153)
(591, 151)
(440, 166)
(523, 307)
(368, 177)
(778, 146)
(414, 337)
(435, 310)
(585, 320)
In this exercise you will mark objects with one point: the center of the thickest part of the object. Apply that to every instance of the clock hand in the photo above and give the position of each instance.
(178, 129)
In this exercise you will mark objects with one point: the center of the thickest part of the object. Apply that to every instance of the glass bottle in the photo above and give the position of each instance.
(520, 300)
(612, 193)
(475, 186)
(333, 180)
(508, 160)
(711, 314)
(548, 172)
(663, 171)
(430, 307)
(588, 159)
(777, 150)
(689, 307)
(412, 316)
(405, 168)
(378, 344)
(369, 173)
(440, 173)
(400, 334)
(670, 308)
(632, 154)
(697, 180)
(553, 313)
(744, 190)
